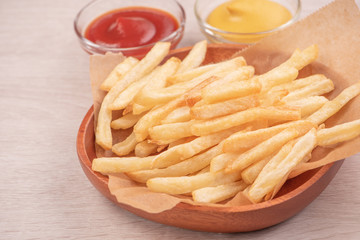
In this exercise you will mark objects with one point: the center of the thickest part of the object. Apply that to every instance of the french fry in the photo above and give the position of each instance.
(167, 133)
(204, 127)
(183, 168)
(298, 83)
(128, 94)
(190, 74)
(181, 141)
(138, 109)
(103, 133)
(333, 106)
(187, 184)
(194, 58)
(262, 150)
(277, 76)
(207, 111)
(237, 75)
(265, 183)
(218, 193)
(187, 150)
(125, 147)
(231, 90)
(118, 72)
(252, 138)
(126, 121)
(204, 170)
(339, 133)
(154, 116)
(144, 148)
(115, 165)
(220, 162)
(181, 114)
(148, 63)
(249, 174)
(308, 105)
(156, 79)
(315, 89)
(299, 59)
(287, 71)
(273, 99)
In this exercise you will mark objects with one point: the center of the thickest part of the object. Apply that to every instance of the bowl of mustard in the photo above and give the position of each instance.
(244, 21)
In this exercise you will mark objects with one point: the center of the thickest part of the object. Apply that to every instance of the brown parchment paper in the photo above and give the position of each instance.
(335, 29)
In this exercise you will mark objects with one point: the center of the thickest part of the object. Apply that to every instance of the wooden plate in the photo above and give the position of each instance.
(295, 195)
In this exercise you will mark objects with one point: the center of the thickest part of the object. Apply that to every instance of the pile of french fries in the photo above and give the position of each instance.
(215, 130)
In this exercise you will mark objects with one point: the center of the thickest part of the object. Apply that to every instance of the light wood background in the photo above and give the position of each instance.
(44, 94)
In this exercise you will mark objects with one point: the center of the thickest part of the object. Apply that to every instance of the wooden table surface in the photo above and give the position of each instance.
(45, 93)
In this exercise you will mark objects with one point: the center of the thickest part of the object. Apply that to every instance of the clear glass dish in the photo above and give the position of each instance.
(98, 7)
(203, 8)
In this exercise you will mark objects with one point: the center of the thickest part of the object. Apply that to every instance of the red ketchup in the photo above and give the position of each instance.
(131, 27)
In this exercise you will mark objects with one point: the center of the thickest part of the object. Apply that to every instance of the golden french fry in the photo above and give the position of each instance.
(236, 75)
(266, 183)
(194, 58)
(288, 70)
(143, 67)
(125, 147)
(187, 150)
(252, 138)
(181, 141)
(154, 80)
(273, 99)
(128, 94)
(333, 106)
(118, 72)
(154, 116)
(220, 162)
(249, 174)
(158, 77)
(115, 165)
(339, 133)
(187, 184)
(231, 90)
(315, 89)
(204, 170)
(262, 150)
(299, 59)
(190, 74)
(167, 133)
(218, 193)
(181, 114)
(183, 168)
(103, 133)
(139, 109)
(308, 105)
(144, 149)
(207, 111)
(126, 121)
(298, 83)
(277, 76)
(204, 127)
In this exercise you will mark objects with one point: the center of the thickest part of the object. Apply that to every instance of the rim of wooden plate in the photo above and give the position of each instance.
(86, 161)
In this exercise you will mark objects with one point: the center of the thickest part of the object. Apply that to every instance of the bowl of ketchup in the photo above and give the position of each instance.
(131, 27)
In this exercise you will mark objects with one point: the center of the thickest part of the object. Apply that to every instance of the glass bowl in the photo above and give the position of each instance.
(98, 7)
(203, 8)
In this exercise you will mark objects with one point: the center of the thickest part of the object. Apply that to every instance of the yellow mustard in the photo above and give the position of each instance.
(248, 16)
